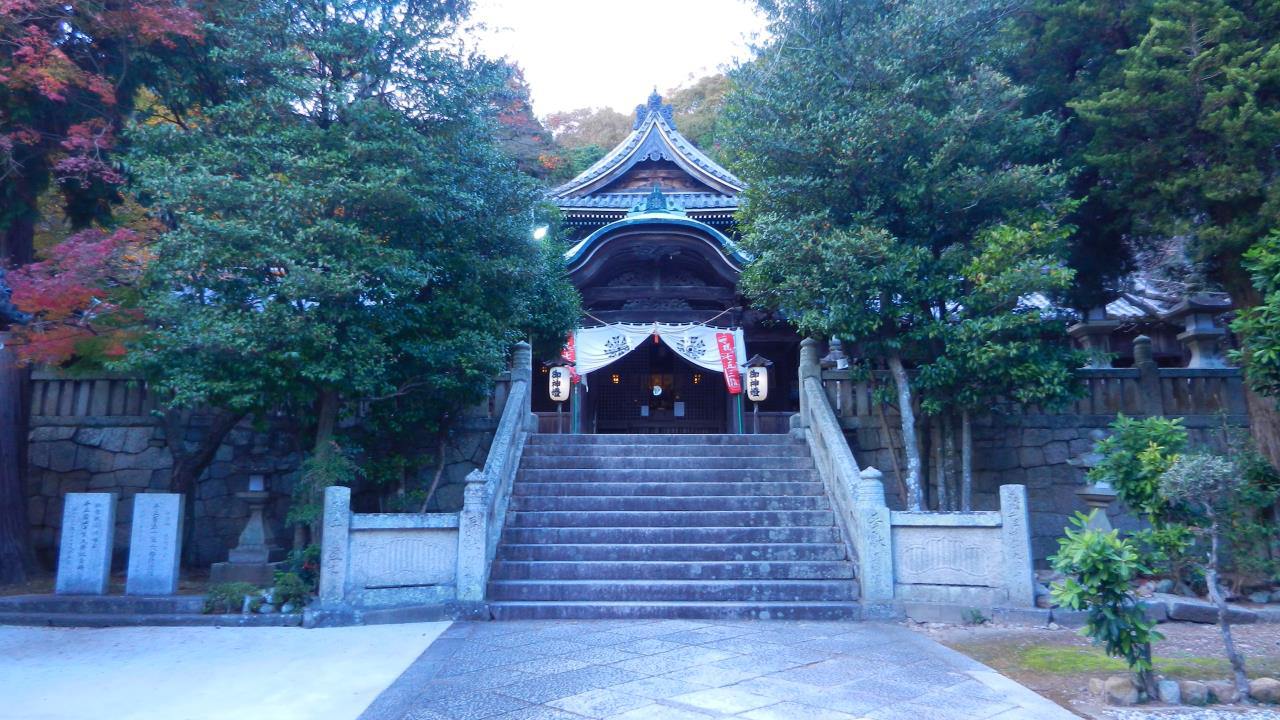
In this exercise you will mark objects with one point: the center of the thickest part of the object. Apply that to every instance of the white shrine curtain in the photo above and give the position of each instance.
(597, 347)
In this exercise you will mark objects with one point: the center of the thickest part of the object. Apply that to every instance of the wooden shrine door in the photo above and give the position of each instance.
(654, 390)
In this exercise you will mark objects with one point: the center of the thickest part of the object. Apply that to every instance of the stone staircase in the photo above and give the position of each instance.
(671, 526)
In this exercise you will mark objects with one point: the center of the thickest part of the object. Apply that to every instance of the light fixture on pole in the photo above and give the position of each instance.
(559, 385)
(757, 387)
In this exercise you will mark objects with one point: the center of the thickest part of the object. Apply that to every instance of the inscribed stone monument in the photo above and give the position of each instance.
(154, 544)
(84, 559)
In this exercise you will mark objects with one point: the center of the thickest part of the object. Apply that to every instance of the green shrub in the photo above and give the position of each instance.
(1099, 567)
(1133, 457)
(229, 597)
(290, 588)
(305, 563)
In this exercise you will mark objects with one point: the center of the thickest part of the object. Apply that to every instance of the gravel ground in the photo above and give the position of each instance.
(1194, 714)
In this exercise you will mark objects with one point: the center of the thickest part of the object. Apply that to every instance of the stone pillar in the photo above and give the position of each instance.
(1015, 539)
(875, 539)
(808, 368)
(1148, 376)
(84, 557)
(472, 539)
(154, 544)
(1094, 337)
(335, 548)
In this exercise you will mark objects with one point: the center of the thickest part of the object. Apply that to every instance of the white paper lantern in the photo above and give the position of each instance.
(757, 383)
(559, 383)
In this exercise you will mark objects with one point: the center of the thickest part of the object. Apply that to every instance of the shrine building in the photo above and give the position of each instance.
(654, 256)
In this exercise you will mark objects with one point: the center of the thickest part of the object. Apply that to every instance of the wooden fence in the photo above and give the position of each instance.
(1108, 391)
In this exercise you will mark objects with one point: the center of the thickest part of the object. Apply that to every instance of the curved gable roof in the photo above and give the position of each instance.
(653, 137)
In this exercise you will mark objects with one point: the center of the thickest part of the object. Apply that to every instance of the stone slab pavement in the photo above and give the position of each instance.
(202, 673)
(694, 670)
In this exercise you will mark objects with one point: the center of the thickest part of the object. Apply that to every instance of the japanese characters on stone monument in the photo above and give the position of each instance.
(84, 558)
(154, 544)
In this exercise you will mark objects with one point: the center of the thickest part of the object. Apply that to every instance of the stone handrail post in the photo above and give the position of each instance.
(875, 546)
(809, 368)
(1148, 376)
(488, 491)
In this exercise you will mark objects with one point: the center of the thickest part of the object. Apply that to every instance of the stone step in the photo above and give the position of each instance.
(759, 552)
(651, 518)
(103, 604)
(667, 439)
(102, 620)
(668, 476)
(651, 610)
(666, 503)
(669, 535)
(504, 570)
(616, 462)
(667, 451)
(684, 590)
(681, 489)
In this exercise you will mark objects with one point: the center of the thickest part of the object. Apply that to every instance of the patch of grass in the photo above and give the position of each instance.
(1072, 660)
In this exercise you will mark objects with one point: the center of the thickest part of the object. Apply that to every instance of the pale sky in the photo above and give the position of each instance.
(609, 53)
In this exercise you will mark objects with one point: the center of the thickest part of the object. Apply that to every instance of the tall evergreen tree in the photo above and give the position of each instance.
(343, 227)
(1186, 134)
(884, 151)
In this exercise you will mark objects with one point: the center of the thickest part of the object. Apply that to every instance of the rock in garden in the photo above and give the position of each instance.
(1120, 690)
(1223, 691)
(1266, 690)
(1164, 586)
(1044, 601)
(1262, 596)
(1146, 589)
(1199, 611)
(1169, 692)
(1193, 692)
(1096, 686)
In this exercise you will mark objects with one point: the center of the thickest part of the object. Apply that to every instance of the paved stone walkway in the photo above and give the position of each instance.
(693, 670)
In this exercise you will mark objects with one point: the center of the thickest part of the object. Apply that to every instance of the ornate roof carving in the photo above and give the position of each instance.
(654, 138)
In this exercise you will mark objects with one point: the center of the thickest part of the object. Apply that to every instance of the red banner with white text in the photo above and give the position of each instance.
(570, 355)
(729, 361)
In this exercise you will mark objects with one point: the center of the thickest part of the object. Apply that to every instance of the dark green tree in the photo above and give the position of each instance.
(885, 153)
(1186, 132)
(1065, 51)
(343, 227)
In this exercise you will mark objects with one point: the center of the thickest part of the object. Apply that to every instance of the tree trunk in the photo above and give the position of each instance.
(1215, 594)
(909, 445)
(16, 558)
(966, 461)
(326, 424)
(17, 248)
(1264, 425)
(189, 465)
(938, 439)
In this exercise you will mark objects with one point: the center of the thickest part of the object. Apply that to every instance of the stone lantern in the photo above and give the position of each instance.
(1094, 335)
(255, 556)
(1201, 335)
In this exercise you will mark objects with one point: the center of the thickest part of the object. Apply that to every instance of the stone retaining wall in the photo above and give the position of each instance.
(1049, 454)
(102, 434)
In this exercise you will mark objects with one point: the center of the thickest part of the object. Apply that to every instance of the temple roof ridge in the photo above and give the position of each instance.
(653, 137)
